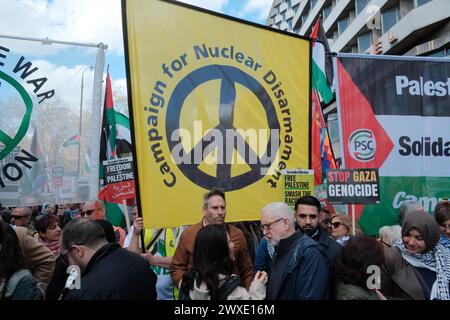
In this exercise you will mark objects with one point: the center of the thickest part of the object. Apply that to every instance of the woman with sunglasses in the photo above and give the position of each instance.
(442, 217)
(49, 230)
(417, 267)
(341, 228)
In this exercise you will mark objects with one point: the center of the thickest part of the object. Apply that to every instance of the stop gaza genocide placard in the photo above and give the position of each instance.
(353, 186)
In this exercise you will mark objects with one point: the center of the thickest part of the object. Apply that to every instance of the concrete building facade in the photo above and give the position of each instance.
(394, 27)
(398, 27)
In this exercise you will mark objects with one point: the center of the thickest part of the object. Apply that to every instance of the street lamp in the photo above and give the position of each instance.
(81, 117)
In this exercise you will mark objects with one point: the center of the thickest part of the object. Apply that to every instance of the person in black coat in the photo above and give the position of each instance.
(307, 210)
(299, 270)
(108, 272)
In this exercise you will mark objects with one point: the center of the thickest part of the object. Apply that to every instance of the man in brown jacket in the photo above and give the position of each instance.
(214, 212)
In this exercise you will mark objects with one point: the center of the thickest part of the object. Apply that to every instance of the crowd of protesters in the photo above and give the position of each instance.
(72, 252)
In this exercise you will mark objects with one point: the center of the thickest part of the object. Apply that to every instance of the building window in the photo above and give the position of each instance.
(304, 19)
(297, 30)
(277, 8)
(283, 15)
(389, 18)
(326, 12)
(295, 8)
(360, 5)
(343, 24)
(364, 42)
(289, 22)
(313, 3)
(440, 53)
(289, 4)
(418, 3)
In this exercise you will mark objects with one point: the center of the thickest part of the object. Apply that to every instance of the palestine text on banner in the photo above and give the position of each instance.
(119, 180)
(297, 183)
(402, 132)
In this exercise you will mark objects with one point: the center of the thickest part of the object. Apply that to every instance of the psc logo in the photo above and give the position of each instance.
(362, 145)
(8, 142)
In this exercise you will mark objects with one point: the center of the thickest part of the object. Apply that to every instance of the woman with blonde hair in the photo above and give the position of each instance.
(341, 228)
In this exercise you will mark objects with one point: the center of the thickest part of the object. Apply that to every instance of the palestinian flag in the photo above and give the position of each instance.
(107, 152)
(72, 141)
(123, 134)
(322, 64)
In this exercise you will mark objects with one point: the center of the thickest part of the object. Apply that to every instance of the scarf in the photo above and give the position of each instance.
(437, 260)
(343, 241)
(270, 249)
(444, 241)
(54, 246)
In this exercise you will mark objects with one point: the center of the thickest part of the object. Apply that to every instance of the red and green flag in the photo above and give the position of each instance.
(322, 64)
(75, 140)
(108, 151)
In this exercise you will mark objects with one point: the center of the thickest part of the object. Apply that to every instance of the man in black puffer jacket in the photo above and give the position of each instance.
(108, 272)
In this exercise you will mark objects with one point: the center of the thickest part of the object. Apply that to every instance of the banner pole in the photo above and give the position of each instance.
(353, 220)
(125, 213)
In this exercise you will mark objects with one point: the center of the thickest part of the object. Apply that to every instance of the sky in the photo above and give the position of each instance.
(91, 21)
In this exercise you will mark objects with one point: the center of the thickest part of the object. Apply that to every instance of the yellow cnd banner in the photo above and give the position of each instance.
(215, 103)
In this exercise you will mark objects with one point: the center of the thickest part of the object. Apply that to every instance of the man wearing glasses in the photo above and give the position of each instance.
(21, 217)
(89, 213)
(307, 211)
(299, 270)
(108, 272)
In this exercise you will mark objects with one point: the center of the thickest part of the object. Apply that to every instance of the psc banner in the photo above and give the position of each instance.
(353, 186)
(218, 103)
(119, 180)
(394, 115)
(45, 122)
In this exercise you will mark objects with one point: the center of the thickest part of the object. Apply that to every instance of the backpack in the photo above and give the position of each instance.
(231, 283)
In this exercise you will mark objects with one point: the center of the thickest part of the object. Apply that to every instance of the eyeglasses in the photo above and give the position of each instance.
(89, 212)
(266, 227)
(65, 258)
(17, 217)
(445, 226)
(304, 216)
(336, 225)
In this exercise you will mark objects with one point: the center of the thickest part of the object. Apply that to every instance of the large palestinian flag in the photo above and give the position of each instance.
(395, 114)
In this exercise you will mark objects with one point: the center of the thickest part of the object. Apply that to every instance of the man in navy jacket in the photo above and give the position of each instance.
(299, 269)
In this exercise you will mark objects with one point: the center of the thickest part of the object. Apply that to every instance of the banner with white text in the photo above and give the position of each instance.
(394, 115)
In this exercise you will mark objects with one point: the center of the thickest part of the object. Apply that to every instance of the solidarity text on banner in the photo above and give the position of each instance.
(394, 115)
(212, 109)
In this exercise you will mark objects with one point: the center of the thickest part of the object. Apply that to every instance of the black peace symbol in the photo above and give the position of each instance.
(229, 76)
